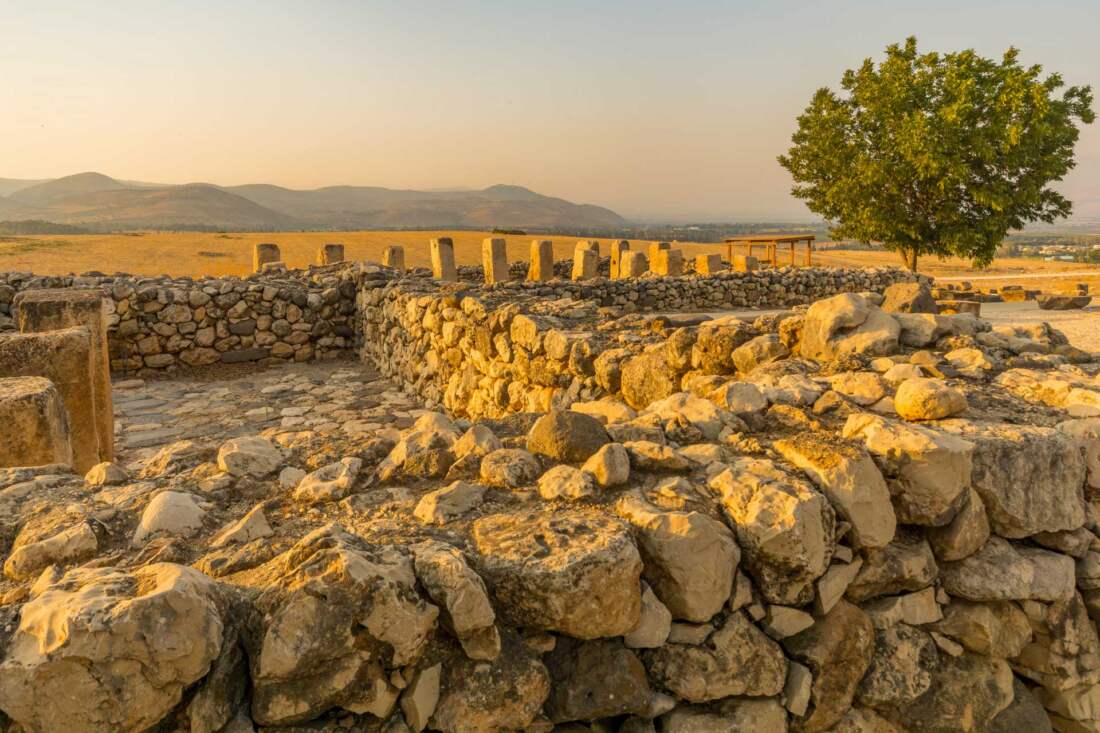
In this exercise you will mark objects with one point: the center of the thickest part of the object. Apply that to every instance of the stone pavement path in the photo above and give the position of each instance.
(332, 397)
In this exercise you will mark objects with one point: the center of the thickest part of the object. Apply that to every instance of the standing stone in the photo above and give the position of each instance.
(64, 357)
(443, 259)
(585, 262)
(394, 256)
(708, 264)
(51, 310)
(744, 263)
(655, 247)
(35, 423)
(541, 268)
(634, 264)
(494, 260)
(591, 244)
(618, 249)
(330, 254)
(264, 253)
(668, 262)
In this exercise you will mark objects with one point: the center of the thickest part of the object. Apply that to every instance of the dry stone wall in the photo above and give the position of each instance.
(524, 346)
(158, 324)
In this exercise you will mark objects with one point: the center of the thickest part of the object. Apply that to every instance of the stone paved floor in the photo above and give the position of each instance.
(343, 397)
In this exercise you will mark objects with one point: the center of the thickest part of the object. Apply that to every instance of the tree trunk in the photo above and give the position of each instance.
(909, 257)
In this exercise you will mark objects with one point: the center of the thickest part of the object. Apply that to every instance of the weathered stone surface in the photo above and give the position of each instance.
(172, 513)
(610, 465)
(927, 471)
(36, 423)
(905, 565)
(701, 414)
(1031, 479)
(647, 378)
(1064, 651)
(847, 325)
(738, 659)
(690, 559)
(964, 535)
(1002, 571)
(1023, 714)
(565, 482)
(71, 545)
(995, 629)
(785, 528)
(848, 476)
(249, 456)
(921, 398)
(966, 694)
(461, 596)
(509, 468)
(909, 298)
(566, 436)
(736, 715)
(568, 572)
(595, 679)
(838, 649)
(654, 623)
(757, 351)
(904, 660)
(450, 502)
(337, 614)
(98, 631)
(329, 483)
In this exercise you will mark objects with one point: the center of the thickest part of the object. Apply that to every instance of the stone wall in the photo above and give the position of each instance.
(157, 324)
(520, 346)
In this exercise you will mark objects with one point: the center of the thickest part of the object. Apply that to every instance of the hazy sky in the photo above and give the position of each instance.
(656, 109)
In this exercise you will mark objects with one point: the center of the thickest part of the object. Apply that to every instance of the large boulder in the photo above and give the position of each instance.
(758, 351)
(690, 559)
(848, 476)
(914, 297)
(504, 694)
(901, 668)
(714, 346)
(928, 471)
(465, 608)
(1001, 571)
(784, 526)
(569, 572)
(966, 695)
(920, 398)
(338, 615)
(595, 679)
(847, 325)
(701, 414)
(647, 378)
(249, 456)
(426, 448)
(994, 629)
(838, 649)
(904, 565)
(106, 651)
(1059, 302)
(737, 659)
(567, 436)
(1031, 479)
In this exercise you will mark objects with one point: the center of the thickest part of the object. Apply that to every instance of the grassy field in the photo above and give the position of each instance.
(199, 253)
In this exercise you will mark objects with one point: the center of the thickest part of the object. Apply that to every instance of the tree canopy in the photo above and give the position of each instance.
(940, 154)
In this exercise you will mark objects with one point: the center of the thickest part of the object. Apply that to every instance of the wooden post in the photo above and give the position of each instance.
(809, 252)
(793, 264)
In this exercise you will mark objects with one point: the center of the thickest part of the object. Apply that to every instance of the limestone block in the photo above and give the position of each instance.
(668, 262)
(708, 264)
(655, 247)
(264, 253)
(394, 256)
(744, 263)
(49, 310)
(65, 358)
(494, 260)
(330, 254)
(618, 249)
(634, 264)
(585, 262)
(35, 423)
(443, 259)
(541, 268)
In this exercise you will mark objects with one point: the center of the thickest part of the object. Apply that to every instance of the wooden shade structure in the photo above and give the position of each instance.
(771, 244)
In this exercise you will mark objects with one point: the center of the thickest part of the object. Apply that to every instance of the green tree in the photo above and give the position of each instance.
(937, 153)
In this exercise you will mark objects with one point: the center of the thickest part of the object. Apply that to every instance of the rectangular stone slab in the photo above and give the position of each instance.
(50, 310)
(35, 425)
(65, 358)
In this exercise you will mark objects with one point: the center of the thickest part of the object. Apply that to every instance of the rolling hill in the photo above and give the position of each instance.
(96, 200)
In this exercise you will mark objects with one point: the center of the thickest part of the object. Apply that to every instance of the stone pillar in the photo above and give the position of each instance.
(654, 248)
(585, 262)
(330, 254)
(54, 309)
(394, 256)
(443, 259)
(669, 262)
(541, 268)
(744, 263)
(264, 253)
(591, 244)
(36, 426)
(65, 358)
(634, 264)
(494, 260)
(708, 264)
(617, 250)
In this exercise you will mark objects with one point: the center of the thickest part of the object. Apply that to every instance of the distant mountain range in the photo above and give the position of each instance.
(100, 202)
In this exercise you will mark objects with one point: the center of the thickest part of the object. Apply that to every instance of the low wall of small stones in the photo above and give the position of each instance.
(158, 324)
(521, 346)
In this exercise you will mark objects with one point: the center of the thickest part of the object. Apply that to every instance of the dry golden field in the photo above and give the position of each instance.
(199, 253)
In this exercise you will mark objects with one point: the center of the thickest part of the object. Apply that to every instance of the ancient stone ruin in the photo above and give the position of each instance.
(504, 499)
